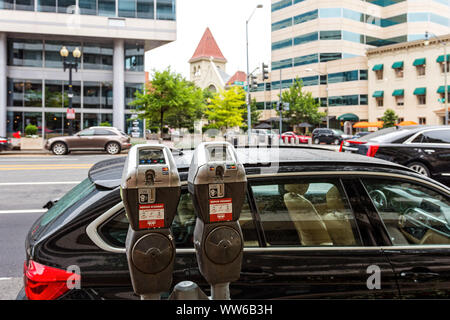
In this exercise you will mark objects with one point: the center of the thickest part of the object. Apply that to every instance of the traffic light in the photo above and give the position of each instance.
(253, 83)
(265, 71)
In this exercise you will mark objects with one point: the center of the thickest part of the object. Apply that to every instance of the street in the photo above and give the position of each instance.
(27, 183)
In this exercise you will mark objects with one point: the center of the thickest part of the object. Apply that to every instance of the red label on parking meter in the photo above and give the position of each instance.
(220, 210)
(151, 216)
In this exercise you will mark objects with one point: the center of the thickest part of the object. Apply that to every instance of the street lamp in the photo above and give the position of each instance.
(323, 74)
(70, 65)
(444, 44)
(249, 120)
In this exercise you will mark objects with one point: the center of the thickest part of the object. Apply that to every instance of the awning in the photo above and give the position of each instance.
(441, 89)
(377, 67)
(365, 124)
(398, 93)
(419, 62)
(407, 123)
(378, 94)
(397, 65)
(420, 91)
(441, 58)
(348, 117)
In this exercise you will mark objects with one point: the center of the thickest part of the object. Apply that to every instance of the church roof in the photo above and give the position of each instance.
(207, 48)
(239, 76)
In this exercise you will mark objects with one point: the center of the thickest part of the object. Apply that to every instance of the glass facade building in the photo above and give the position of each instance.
(112, 36)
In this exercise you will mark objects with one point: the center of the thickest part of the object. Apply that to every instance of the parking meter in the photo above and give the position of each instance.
(217, 183)
(150, 191)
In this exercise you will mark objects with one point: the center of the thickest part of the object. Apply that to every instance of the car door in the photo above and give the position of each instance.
(102, 136)
(318, 242)
(416, 218)
(434, 144)
(82, 140)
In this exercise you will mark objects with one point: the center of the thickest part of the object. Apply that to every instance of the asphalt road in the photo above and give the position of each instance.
(27, 182)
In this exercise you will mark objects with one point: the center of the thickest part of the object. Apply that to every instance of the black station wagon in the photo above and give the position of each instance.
(316, 224)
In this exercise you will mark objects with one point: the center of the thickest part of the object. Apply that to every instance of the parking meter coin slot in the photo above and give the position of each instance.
(152, 253)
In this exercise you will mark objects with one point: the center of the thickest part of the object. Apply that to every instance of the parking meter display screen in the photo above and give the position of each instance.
(219, 153)
(151, 157)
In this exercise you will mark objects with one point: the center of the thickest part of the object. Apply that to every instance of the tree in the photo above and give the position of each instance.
(302, 106)
(389, 118)
(170, 100)
(227, 107)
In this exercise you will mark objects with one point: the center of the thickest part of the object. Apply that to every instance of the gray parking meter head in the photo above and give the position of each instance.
(150, 187)
(217, 182)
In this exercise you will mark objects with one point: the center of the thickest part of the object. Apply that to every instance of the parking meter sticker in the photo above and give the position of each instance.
(220, 210)
(151, 216)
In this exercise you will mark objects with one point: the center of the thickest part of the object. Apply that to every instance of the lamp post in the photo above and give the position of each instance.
(70, 65)
(247, 96)
(323, 74)
(444, 44)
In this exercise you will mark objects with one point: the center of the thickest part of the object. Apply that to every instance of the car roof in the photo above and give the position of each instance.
(108, 173)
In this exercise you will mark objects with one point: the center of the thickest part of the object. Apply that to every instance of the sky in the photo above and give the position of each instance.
(226, 20)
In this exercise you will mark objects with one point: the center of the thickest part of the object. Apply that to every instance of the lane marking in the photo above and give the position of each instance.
(17, 167)
(4, 278)
(23, 211)
(36, 183)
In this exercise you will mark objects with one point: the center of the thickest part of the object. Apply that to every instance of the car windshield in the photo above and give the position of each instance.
(69, 199)
(394, 136)
(338, 131)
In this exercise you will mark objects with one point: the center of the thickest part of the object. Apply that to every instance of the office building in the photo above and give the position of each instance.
(113, 36)
(324, 43)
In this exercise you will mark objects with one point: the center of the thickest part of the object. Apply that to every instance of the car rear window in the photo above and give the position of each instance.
(392, 135)
(69, 199)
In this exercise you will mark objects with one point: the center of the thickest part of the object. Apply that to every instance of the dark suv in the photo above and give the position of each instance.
(315, 223)
(329, 136)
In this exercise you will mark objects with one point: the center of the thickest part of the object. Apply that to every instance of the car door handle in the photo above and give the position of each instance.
(429, 150)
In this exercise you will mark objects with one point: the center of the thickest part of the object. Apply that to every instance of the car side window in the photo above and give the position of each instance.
(87, 132)
(114, 231)
(412, 214)
(306, 213)
(437, 136)
(104, 132)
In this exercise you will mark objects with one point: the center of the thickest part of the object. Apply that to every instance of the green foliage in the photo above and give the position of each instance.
(31, 130)
(105, 124)
(254, 113)
(389, 118)
(302, 106)
(154, 129)
(227, 108)
(169, 99)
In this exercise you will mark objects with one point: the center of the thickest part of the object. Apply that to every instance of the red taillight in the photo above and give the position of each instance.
(3, 141)
(342, 144)
(372, 150)
(356, 142)
(44, 282)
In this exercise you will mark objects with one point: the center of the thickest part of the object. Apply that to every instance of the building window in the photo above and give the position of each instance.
(134, 57)
(400, 120)
(165, 9)
(107, 8)
(399, 72)
(380, 102)
(97, 56)
(127, 8)
(443, 68)
(130, 90)
(422, 99)
(420, 70)
(25, 53)
(88, 7)
(52, 57)
(379, 74)
(400, 100)
(422, 120)
(146, 9)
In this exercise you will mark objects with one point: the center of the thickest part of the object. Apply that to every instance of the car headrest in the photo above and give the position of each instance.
(298, 188)
(334, 199)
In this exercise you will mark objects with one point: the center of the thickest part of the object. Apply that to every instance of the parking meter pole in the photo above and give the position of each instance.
(150, 191)
(217, 183)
